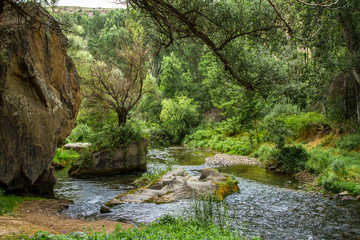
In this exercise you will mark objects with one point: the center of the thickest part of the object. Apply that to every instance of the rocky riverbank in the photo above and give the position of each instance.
(45, 215)
(225, 160)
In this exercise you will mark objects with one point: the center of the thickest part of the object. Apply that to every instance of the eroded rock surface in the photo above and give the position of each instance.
(177, 184)
(112, 161)
(39, 101)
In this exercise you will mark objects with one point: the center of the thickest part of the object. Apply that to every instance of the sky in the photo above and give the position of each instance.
(89, 3)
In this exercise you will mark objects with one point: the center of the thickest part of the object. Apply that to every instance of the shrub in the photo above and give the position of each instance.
(291, 159)
(332, 183)
(65, 156)
(264, 153)
(319, 160)
(277, 132)
(349, 142)
(299, 123)
(151, 176)
(81, 133)
(113, 136)
(179, 116)
(282, 109)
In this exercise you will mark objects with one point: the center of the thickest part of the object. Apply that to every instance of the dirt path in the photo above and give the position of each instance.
(35, 215)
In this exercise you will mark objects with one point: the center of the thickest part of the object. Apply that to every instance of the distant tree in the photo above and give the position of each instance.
(120, 87)
(179, 116)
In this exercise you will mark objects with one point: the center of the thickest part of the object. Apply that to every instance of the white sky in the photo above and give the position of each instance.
(90, 3)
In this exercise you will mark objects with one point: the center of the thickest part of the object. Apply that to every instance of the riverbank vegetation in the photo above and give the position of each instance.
(206, 218)
(239, 78)
(8, 203)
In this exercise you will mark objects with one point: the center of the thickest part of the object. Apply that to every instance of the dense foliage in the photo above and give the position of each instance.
(242, 77)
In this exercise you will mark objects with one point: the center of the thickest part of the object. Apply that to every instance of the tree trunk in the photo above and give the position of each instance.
(346, 98)
(2, 3)
(352, 40)
(357, 102)
(122, 117)
(357, 75)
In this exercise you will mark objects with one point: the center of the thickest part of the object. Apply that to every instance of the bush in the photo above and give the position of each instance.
(286, 121)
(319, 160)
(113, 136)
(349, 142)
(299, 123)
(65, 156)
(81, 133)
(264, 153)
(290, 159)
(277, 132)
(179, 116)
(332, 183)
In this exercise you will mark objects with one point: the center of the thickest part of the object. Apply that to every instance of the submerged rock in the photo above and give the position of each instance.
(112, 161)
(39, 100)
(177, 184)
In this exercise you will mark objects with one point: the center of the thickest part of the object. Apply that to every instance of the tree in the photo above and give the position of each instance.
(214, 23)
(179, 115)
(121, 86)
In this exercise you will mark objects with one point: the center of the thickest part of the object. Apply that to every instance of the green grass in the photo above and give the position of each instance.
(338, 170)
(212, 139)
(168, 228)
(64, 156)
(8, 203)
(152, 176)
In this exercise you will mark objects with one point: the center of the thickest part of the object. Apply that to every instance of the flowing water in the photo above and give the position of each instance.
(269, 205)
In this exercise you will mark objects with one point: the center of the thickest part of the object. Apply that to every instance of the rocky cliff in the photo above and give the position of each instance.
(39, 100)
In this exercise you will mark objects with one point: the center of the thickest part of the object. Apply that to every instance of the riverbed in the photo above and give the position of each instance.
(269, 205)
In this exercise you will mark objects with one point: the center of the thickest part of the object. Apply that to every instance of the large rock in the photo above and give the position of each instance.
(39, 101)
(177, 184)
(112, 161)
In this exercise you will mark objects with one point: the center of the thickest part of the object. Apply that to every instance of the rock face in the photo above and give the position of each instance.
(177, 184)
(110, 162)
(39, 102)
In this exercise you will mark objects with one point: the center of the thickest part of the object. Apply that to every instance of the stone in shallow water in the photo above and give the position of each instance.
(176, 185)
(105, 209)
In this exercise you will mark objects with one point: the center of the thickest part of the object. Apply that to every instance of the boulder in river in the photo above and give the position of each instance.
(177, 184)
(123, 159)
(39, 98)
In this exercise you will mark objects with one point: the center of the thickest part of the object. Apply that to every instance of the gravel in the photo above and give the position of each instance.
(224, 160)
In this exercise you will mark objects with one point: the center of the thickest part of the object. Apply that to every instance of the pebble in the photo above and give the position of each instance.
(225, 160)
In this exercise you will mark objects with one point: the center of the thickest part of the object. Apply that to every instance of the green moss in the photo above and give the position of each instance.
(227, 187)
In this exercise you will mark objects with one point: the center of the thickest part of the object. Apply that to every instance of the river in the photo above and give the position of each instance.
(269, 205)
